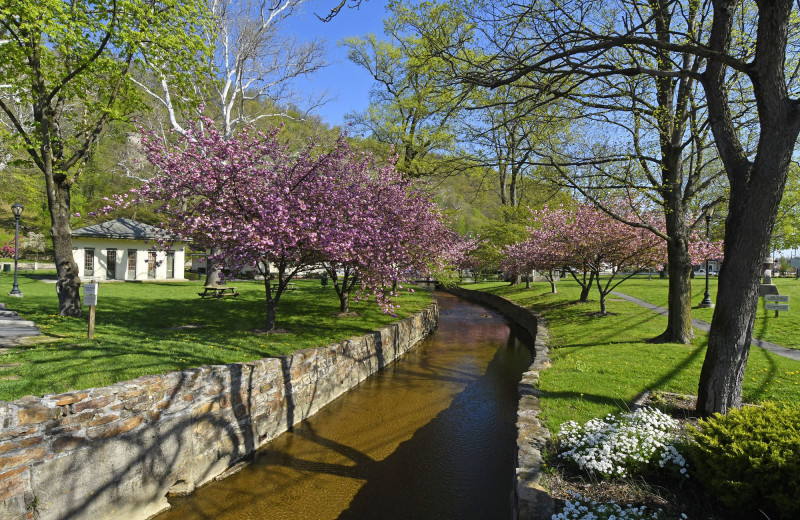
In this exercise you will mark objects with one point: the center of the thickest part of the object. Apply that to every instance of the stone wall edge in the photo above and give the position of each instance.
(116, 451)
(529, 499)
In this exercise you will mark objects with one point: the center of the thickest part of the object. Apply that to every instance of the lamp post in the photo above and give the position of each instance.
(707, 296)
(16, 209)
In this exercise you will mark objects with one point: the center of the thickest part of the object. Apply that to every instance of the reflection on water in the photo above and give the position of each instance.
(431, 436)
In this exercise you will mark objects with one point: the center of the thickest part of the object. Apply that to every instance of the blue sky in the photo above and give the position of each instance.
(347, 84)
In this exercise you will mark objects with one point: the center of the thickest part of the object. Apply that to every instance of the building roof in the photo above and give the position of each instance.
(121, 228)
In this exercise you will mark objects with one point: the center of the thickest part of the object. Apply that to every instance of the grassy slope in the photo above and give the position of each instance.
(599, 365)
(135, 331)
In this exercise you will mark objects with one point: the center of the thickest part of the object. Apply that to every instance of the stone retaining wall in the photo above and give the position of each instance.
(531, 501)
(115, 452)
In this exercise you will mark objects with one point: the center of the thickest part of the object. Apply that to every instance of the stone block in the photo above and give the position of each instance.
(19, 444)
(13, 433)
(68, 443)
(69, 398)
(14, 483)
(36, 414)
(112, 430)
(93, 404)
(18, 459)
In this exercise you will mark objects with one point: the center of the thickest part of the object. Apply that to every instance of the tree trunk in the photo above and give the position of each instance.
(602, 296)
(586, 287)
(679, 299)
(213, 272)
(756, 189)
(344, 301)
(68, 284)
(269, 324)
(747, 234)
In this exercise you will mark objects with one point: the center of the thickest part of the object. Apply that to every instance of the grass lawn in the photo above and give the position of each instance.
(152, 328)
(600, 364)
(783, 330)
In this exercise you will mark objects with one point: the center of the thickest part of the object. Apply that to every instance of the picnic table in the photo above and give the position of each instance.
(218, 291)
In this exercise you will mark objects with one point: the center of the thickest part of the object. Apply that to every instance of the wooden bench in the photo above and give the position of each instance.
(218, 291)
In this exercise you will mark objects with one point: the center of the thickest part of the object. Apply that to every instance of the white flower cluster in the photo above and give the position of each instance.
(581, 509)
(622, 444)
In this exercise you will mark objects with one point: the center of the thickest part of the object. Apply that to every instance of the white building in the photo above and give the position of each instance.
(124, 249)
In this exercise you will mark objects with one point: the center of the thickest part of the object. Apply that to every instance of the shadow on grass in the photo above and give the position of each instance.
(135, 332)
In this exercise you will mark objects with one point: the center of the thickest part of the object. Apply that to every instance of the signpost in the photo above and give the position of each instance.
(90, 299)
(776, 302)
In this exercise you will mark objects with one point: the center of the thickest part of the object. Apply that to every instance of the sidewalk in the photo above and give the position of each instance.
(12, 327)
(705, 326)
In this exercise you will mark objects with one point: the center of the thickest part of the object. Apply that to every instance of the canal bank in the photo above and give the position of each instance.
(117, 451)
(531, 501)
(433, 436)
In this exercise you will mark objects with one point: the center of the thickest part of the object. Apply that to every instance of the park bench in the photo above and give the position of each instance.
(218, 292)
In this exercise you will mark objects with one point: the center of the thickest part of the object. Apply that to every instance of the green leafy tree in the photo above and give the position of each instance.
(409, 107)
(67, 69)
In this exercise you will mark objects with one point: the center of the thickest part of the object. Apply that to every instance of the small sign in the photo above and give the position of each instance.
(776, 306)
(783, 298)
(795, 262)
(90, 294)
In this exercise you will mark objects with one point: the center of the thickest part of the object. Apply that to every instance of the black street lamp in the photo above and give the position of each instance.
(16, 209)
(707, 297)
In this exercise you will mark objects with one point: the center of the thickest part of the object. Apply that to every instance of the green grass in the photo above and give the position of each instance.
(136, 334)
(783, 330)
(600, 364)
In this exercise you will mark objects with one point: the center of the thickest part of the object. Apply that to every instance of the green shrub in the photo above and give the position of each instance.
(750, 459)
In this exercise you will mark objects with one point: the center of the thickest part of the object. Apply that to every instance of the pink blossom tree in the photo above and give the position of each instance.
(583, 238)
(7, 250)
(375, 226)
(258, 204)
(587, 242)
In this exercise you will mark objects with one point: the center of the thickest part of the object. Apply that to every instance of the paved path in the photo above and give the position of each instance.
(705, 326)
(12, 327)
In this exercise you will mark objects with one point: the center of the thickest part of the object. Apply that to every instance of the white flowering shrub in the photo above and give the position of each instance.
(623, 444)
(580, 508)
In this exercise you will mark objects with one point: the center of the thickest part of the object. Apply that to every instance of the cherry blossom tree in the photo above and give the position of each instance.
(376, 227)
(587, 242)
(256, 203)
(7, 250)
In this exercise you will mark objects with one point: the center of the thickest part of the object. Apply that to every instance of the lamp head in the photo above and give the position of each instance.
(16, 209)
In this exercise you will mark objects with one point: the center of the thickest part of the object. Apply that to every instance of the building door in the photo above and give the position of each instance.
(111, 264)
(170, 264)
(88, 263)
(131, 264)
(151, 265)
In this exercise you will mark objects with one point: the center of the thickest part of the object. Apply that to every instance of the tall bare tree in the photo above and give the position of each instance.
(248, 75)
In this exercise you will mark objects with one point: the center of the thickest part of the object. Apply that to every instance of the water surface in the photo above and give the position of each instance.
(430, 437)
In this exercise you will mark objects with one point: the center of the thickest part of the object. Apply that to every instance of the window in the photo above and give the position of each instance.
(131, 264)
(111, 264)
(170, 264)
(88, 262)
